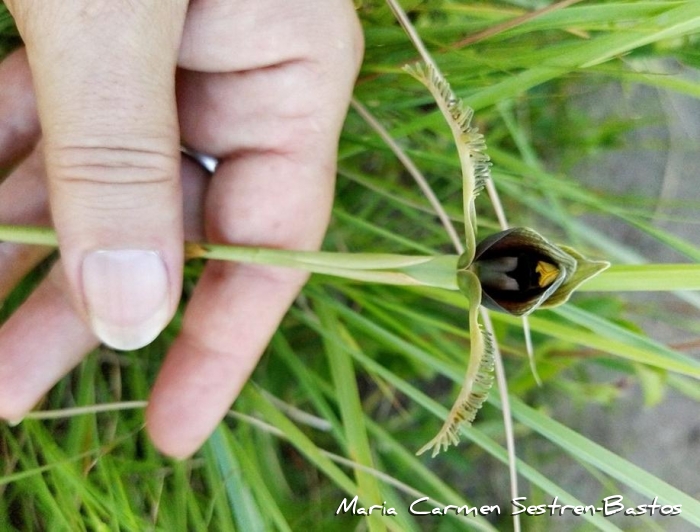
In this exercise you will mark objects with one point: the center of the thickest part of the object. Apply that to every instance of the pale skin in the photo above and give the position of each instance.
(92, 114)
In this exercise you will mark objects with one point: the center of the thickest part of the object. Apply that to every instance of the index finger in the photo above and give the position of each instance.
(278, 134)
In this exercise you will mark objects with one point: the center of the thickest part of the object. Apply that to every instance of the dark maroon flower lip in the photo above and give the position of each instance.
(520, 271)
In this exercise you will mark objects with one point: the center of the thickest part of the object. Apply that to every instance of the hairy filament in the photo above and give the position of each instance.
(470, 143)
(477, 382)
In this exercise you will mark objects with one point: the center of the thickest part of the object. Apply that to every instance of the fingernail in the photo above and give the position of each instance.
(14, 422)
(126, 293)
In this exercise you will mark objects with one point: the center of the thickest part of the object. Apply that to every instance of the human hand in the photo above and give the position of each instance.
(263, 86)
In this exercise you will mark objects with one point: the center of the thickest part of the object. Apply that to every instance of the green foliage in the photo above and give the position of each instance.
(353, 382)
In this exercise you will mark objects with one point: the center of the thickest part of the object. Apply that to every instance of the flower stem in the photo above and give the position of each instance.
(434, 271)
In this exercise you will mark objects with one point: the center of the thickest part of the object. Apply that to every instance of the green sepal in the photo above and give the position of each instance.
(585, 269)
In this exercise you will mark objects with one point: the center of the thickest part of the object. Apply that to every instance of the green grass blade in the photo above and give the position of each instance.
(351, 411)
(646, 278)
(301, 442)
(608, 462)
(243, 507)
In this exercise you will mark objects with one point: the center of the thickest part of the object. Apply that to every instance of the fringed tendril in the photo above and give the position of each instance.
(460, 118)
(478, 380)
(470, 143)
(475, 171)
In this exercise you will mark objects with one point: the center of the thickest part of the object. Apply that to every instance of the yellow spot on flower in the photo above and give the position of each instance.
(548, 273)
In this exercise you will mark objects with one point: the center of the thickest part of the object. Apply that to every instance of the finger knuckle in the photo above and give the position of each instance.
(111, 164)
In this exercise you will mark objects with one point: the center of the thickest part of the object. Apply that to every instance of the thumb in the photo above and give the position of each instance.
(104, 77)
